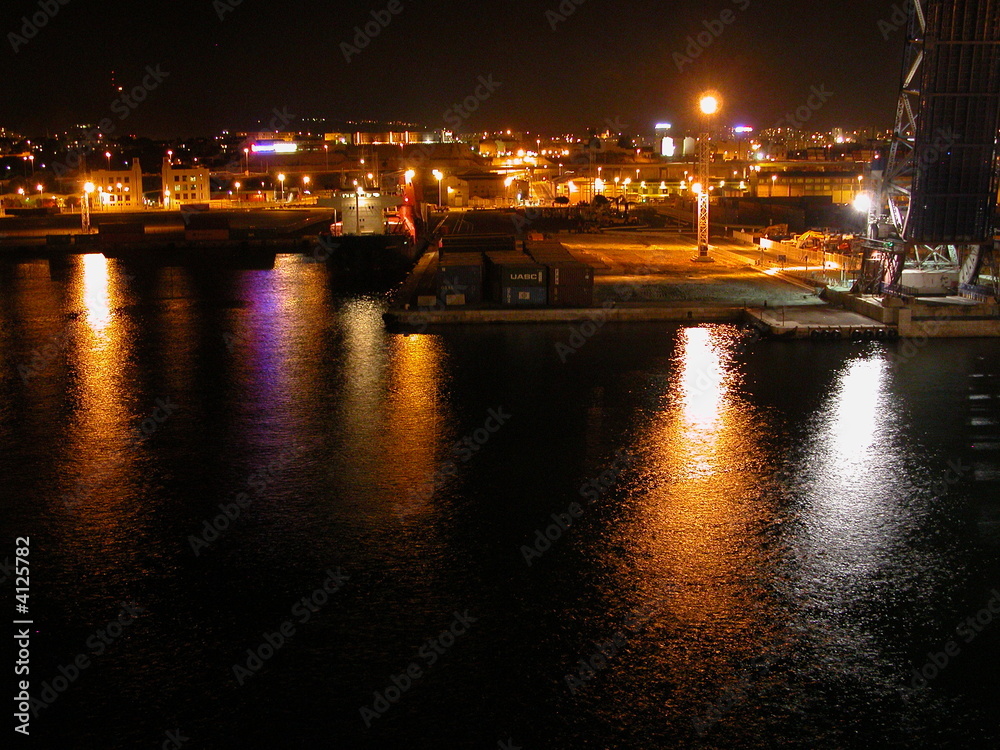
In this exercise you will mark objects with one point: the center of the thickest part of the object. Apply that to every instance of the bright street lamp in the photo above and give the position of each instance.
(281, 179)
(410, 174)
(438, 176)
(709, 104)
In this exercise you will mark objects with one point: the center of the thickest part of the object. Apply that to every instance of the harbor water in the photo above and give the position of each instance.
(265, 521)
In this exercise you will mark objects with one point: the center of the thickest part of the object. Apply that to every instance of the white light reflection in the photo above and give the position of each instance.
(96, 295)
(856, 410)
(853, 494)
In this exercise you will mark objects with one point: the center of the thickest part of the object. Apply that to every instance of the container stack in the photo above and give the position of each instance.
(460, 279)
(206, 227)
(515, 280)
(570, 282)
(481, 243)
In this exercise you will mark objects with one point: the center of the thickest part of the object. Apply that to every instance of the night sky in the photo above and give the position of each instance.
(607, 62)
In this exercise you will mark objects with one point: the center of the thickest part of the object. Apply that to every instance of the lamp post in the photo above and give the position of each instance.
(88, 189)
(281, 179)
(326, 148)
(709, 105)
(107, 154)
(237, 185)
(246, 155)
(438, 176)
(305, 183)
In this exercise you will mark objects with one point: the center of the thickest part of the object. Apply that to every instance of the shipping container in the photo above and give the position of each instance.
(460, 279)
(210, 235)
(513, 270)
(571, 284)
(463, 243)
(122, 232)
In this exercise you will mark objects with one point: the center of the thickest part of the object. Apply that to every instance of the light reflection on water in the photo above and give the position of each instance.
(769, 500)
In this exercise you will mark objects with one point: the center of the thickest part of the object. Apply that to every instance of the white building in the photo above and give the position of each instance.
(118, 188)
(182, 186)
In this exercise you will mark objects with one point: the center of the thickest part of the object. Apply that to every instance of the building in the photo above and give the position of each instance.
(839, 180)
(118, 188)
(190, 185)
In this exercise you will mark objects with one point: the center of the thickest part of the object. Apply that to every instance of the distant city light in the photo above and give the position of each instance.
(743, 129)
(284, 147)
(663, 126)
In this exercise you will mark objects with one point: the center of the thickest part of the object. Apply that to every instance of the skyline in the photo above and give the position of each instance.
(548, 67)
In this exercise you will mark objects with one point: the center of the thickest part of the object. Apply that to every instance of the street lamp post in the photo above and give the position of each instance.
(438, 176)
(281, 179)
(108, 155)
(88, 189)
(237, 185)
(709, 105)
(246, 155)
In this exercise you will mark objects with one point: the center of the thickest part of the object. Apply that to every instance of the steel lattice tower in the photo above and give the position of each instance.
(935, 197)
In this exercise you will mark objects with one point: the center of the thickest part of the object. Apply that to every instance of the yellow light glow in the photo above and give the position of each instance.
(709, 104)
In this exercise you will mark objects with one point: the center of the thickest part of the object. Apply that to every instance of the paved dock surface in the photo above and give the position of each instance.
(656, 268)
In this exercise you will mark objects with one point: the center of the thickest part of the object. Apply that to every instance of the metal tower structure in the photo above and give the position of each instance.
(704, 167)
(709, 106)
(934, 197)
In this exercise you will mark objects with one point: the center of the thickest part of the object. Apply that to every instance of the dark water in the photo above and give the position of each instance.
(769, 537)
